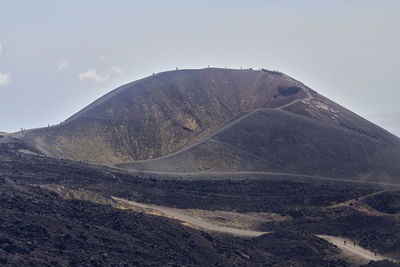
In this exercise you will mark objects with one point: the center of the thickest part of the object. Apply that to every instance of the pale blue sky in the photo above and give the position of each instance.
(58, 56)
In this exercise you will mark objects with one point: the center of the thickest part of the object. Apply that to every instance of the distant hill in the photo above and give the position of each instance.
(223, 120)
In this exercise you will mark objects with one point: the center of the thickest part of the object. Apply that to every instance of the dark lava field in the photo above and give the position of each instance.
(41, 227)
(210, 167)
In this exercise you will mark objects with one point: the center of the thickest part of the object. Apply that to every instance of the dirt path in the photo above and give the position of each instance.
(207, 137)
(358, 204)
(178, 215)
(192, 175)
(349, 250)
(353, 252)
(219, 130)
(346, 203)
(293, 102)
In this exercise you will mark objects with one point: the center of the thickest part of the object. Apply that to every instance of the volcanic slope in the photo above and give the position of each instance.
(161, 114)
(223, 120)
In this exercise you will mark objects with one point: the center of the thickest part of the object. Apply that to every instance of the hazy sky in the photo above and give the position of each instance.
(58, 56)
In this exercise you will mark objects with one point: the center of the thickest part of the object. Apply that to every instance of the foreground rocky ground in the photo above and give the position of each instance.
(42, 227)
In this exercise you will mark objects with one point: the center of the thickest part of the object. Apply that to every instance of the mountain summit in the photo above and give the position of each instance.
(223, 120)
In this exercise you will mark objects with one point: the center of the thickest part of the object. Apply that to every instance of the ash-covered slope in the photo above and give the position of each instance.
(163, 113)
(224, 120)
(278, 141)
